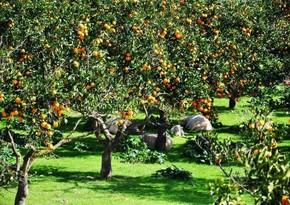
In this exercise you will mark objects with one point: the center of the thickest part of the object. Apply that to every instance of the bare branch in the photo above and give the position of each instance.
(28, 159)
(229, 175)
(15, 151)
(65, 140)
(97, 130)
(102, 124)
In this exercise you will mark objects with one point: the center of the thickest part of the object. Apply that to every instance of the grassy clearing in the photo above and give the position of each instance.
(72, 177)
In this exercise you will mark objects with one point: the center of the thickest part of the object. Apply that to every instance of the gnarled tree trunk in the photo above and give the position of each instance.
(162, 129)
(22, 191)
(106, 169)
(110, 141)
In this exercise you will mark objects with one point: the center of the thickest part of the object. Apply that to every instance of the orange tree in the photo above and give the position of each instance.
(109, 56)
(183, 54)
(251, 48)
(53, 59)
(266, 166)
(157, 49)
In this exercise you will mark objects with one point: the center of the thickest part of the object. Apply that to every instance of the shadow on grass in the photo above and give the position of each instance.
(229, 129)
(82, 147)
(143, 187)
(280, 113)
(223, 109)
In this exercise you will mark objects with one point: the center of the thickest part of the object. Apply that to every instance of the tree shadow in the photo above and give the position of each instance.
(175, 154)
(142, 187)
(79, 148)
(223, 109)
(281, 113)
(230, 129)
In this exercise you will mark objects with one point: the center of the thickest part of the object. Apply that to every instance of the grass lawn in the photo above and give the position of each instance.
(71, 177)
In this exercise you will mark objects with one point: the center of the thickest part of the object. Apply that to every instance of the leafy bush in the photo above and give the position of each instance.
(259, 127)
(174, 172)
(266, 179)
(268, 175)
(224, 192)
(7, 174)
(206, 148)
(133, 150)
(80, 146)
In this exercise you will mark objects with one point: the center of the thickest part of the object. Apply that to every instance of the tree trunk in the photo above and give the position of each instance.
(106, 169)
(232, 102)
(162, 128)
(22, 176)
(22, 191)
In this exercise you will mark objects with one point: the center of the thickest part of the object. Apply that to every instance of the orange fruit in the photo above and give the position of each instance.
(251, 126)
(60, 112)
(4, 114)
(268, 154)
(261, 122)
(17, 100)
(43, 124)
(54, 92)
(20, 119)
(285, 200)
(55, 124)
(34, 110)
(49, 133)
(199, 22)
(50, 146)
(42, 116)
(38, 133)
(256, 151)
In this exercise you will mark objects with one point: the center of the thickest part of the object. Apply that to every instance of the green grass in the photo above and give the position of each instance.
(72, 178)
(70, 173)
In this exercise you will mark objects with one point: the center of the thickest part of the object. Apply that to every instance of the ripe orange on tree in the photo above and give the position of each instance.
(17, 100)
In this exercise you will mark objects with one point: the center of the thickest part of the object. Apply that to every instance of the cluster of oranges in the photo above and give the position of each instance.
(127, 115)
(82, 31)
(14, 111)
(203, 105)
(58, 108)
(260, 125)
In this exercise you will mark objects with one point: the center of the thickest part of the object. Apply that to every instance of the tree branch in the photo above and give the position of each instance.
(229, 175)
(16, 153)
(103, 126)
(28, 159)
(64, 140)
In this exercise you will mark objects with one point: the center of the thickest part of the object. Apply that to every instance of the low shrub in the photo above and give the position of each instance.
(7, 173)
(259, 127)
(173, 172)
(132, 150)
(207, 148)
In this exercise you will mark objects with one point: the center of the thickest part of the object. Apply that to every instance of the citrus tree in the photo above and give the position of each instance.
(108, 57)
(53, 59)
